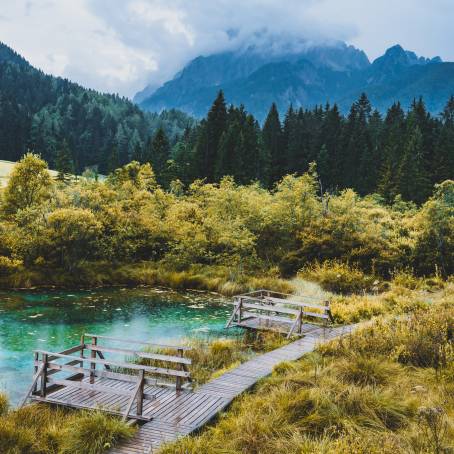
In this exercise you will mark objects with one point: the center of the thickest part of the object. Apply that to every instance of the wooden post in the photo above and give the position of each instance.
(82, 343)
(300, 320)
(44, 375)
(140, 392)
(327, 312)
(35, 388)
(239, 309)
(94, 342)
(179, 379)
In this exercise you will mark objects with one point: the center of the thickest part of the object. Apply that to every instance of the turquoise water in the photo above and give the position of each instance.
(55, 320)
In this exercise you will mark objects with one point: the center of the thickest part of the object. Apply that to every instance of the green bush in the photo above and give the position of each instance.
(338, 277)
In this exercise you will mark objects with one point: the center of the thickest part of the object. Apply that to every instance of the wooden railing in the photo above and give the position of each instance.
(279, 307)
(80, 366)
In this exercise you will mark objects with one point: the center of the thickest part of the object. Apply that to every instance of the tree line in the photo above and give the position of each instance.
(400, 153)
(55, 117)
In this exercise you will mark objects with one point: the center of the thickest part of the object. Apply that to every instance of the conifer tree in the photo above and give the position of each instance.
(160, 154)
(209, 139)
(442, 162)
(392, 146)
(113, 162)
(272, 142)
(414, 183)
(64, 163)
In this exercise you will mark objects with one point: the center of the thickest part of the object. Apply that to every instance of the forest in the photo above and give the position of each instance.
(402, 153)
(47, 114)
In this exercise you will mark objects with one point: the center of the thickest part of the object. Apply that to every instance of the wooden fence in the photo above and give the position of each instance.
(277, 309)
(81, 362)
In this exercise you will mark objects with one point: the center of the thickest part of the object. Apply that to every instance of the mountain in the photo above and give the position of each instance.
(39, 112)
(334, 73)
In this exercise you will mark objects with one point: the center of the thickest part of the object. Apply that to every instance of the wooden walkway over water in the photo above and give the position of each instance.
(179, 415)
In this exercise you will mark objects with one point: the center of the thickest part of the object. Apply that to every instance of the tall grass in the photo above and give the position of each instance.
(218, 279)
(41, 429)
(388, 388)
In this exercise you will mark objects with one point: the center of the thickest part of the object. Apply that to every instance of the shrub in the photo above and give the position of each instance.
(338, 277)
(8, 266)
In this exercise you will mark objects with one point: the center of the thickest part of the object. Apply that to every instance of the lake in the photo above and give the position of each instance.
(55, 320)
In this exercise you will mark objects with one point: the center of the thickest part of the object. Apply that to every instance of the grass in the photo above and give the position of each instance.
(219, 279)
(387, 388)
(212, 358)
(41, 429)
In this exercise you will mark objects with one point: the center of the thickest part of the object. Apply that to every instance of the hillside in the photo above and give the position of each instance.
(38, 112)
(6, 167)
(335, 74)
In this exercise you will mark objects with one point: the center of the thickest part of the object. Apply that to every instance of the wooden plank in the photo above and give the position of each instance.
(268, 317)
(295, 303)
(131, 341)
(150, 369)
(69, 351)
(89, 387)
(271, 308)
(55, 368)
(147, 355)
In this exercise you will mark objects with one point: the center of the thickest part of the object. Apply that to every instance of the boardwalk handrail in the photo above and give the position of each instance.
(121, 364)
(278, 308)
(47, 364)
(132, 341)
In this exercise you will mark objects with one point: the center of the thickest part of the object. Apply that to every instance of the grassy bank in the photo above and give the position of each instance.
(220, 279)
(388, 388)
(40, 429)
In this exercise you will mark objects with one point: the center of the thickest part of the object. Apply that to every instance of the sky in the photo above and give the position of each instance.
(121, 46)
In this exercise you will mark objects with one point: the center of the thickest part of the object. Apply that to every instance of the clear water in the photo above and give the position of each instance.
(36, 320)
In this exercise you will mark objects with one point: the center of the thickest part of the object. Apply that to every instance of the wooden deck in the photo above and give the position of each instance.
(177, 416)
(286, 314)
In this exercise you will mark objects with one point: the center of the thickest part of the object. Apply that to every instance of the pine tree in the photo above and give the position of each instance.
(207, 146)
(64, 163)
(323, 167)
(254, 159)
(392, 146)
(272, 141)
(331, 133)
(442, 167)
(414, 181)
(113, 162)
(357, 146)
(160, 155)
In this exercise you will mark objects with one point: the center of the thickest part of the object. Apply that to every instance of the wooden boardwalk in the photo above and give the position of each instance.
(186, 411)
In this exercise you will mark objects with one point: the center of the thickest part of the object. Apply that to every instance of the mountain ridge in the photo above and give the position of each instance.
(336, 73)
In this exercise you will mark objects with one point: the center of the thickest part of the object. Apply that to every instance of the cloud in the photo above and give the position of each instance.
(122, 45)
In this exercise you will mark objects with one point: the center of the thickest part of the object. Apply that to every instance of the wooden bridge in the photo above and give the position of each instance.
(154, 389)
(264, 309)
